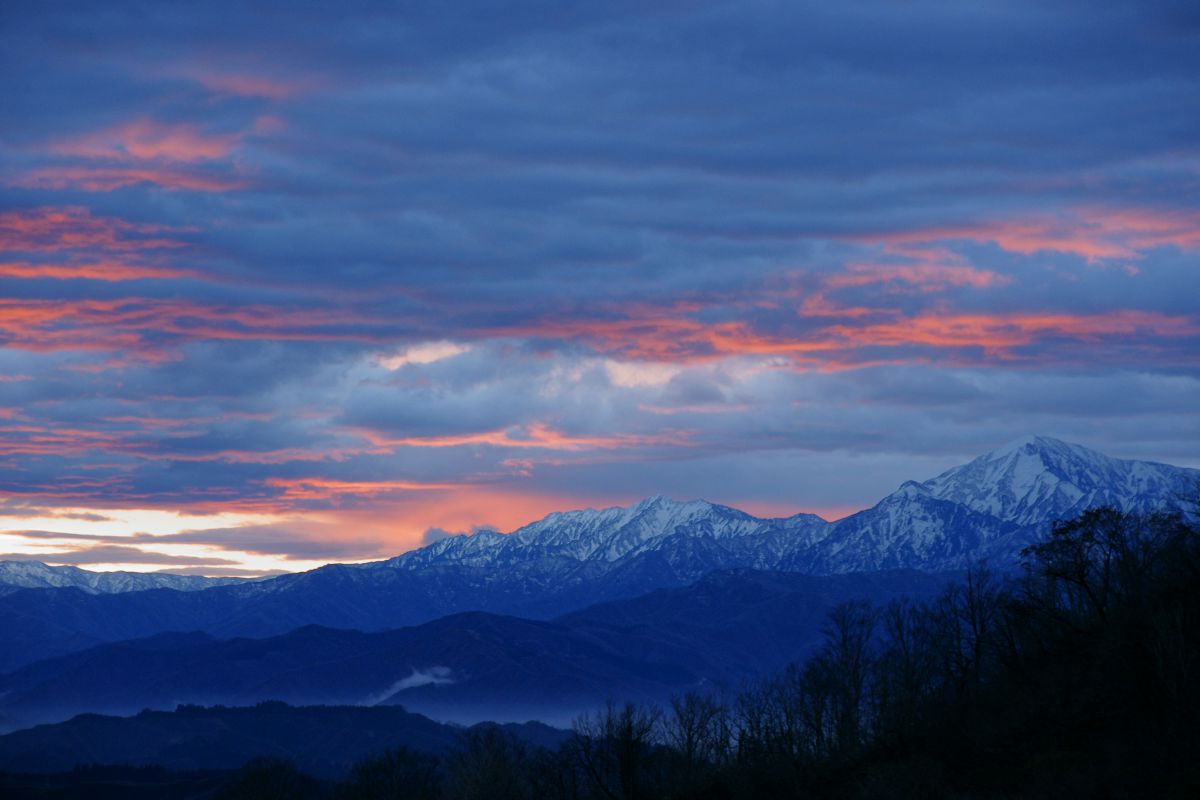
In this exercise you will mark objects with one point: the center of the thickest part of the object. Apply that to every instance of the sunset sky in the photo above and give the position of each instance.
(288, 287)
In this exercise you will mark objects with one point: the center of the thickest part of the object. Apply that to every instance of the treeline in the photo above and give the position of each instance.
(1076, 678)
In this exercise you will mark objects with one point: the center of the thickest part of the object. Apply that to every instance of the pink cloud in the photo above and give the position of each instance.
(924, 277)
(63, 228)
(108, 178)
(109, 271)
(145, 139)
(244, 84)
(536, 435)
(1092, 232)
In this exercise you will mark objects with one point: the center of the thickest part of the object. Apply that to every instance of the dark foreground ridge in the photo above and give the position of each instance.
(325, 740)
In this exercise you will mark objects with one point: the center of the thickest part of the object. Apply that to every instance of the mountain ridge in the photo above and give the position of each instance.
(32, 574)
(326, 740)
(987, 509)
(473, 665)
(1024, 484)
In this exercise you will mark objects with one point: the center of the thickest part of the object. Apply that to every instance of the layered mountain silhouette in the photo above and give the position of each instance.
(327, 741)
(472, 666)
(987, 509)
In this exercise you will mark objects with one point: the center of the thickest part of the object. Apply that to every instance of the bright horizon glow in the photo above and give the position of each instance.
(122, 525)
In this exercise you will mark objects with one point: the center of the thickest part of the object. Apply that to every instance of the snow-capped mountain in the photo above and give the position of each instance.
(994, 506)
(988, 509)
(1036, 478)
(611, 535)
(16, 575)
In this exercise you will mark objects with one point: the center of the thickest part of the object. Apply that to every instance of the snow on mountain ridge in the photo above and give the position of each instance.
(988, 507)
(605, 535)
(991, 506)
(32, 574)
(1037, 478)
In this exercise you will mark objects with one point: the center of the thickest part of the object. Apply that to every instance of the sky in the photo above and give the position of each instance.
(283, 285)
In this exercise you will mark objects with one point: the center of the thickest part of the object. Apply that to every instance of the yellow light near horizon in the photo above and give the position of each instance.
(123, 524)
(128, 521)
(255, 563)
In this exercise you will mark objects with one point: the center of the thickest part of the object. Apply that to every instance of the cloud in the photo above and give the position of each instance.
(222, 572)
(146, 139)
(299, 542)
(291, 543)
(249, 85)
(432, 535)
(432, 676)
(781, 256)
(118, 554)
(110, 178)
(58, 228)
(425, 353)
(1092, 232)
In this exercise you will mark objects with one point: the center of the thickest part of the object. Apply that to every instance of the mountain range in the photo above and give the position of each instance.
(475, 665)
(16, 575)
(987, 509)
(325, 741)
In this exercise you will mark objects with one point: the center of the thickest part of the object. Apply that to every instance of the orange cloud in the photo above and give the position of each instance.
(329, 489)
(640, 333)
(171, 155)
(106, 179)
(27, 439)
(925, 277)
(250, 85)
(998, 333)
(60, 228)
(145, 140)
(110, 271)
(127, 436)
(535, 435)
(831, 336)
(1092, 232)
(128, 324)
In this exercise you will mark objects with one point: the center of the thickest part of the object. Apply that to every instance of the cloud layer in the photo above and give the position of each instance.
(361, 276)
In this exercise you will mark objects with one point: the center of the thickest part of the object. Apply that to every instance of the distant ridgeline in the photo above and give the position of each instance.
(648, 600)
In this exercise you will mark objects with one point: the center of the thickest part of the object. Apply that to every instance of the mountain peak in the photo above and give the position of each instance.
(1021, 443)
(1033, 443)
(1022, 485)
(661, 502)
(1041, 478)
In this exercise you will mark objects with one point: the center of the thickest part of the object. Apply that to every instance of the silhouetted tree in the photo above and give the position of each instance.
(399, 774)
(614, 749)
(490, 764)
(270, 779)
(699, 730)
(847, 652)
(905, 675)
